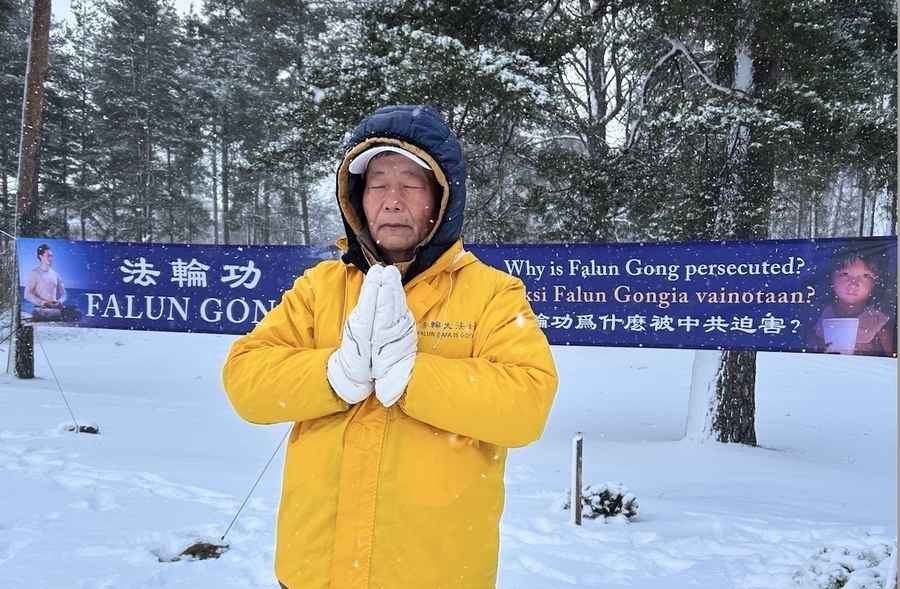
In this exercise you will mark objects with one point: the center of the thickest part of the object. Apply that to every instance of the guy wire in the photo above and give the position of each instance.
(59, 386)
(253, 488)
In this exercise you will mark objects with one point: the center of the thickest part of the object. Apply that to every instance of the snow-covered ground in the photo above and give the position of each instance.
(173, 463)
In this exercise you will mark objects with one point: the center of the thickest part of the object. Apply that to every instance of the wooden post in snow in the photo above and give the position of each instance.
(575, 498)
(29, 152)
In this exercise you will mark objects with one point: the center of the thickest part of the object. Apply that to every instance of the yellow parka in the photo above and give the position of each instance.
(408, 496)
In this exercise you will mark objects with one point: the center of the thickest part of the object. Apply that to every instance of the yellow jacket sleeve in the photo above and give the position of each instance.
(503, 394)
(275, 373)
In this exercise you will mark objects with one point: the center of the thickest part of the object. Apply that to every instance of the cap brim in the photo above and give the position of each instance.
(361, 162)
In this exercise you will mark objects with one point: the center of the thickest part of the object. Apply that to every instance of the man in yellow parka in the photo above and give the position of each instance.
(408, 368)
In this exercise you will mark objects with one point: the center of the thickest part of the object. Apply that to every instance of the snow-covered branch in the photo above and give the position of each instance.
(672, 52)
(540, 140)
(676, 47)
(618, 77)
(680, 47)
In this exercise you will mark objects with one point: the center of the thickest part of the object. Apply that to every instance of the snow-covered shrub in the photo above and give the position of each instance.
(846, 568)
(606, 500)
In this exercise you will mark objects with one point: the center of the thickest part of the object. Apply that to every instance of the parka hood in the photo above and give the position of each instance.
(421, 131)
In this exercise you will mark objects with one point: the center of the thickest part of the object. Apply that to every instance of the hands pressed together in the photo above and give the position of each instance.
(379, 342)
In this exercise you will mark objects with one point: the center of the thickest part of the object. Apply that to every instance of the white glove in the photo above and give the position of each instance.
(394, 339)
(350, 366)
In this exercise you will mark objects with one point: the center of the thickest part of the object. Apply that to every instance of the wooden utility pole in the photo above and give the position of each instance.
(29, 152)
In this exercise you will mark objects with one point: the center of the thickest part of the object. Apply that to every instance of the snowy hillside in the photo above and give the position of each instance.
(173, 463)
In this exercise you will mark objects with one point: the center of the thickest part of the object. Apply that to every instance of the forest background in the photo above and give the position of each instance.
(582, 121)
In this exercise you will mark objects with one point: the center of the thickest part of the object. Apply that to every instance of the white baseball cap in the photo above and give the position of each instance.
(359, 164)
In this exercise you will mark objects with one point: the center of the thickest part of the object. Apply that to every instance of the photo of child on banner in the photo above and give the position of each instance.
(858, 303)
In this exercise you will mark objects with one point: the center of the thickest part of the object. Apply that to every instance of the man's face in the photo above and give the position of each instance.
(853, 284)
(399, 202)
(46, 258)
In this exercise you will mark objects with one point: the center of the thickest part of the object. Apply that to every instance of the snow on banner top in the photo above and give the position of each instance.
(826, 295)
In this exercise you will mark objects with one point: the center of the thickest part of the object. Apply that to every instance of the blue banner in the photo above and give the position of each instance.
(157, 287)
(827, 295)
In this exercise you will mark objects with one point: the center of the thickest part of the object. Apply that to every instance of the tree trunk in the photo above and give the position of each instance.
(304, 209)
(735, 417)
(702, 395)
(32, 116)
(838, 210)
(190, 201)
(81, 205)
(139, 213)
(171, 200)
(29, 154)
(872, 213)
(813, 218)
(596, 92)
(64, 180)
(31, 221)
(114, 213)
(290, 210)
(4, 181)
(253, 226)
(892, 194)
(722, 397)
(862, 181)
(24, 351)
(722, 401)
(82, 133)
(226, 220)
(892, 177)
(267, 215)
(215, 193)
(148, 196)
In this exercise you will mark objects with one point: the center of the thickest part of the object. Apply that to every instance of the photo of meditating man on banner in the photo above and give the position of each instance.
(45, 290)
(859, 311)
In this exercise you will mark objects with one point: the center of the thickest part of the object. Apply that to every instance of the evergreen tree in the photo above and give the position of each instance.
(475, 62)
(59, 143)
(587, 185)
(612, 120)
(83, 114)
(232, 95)
(138, 92)
(300, 146)
(14, 31)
